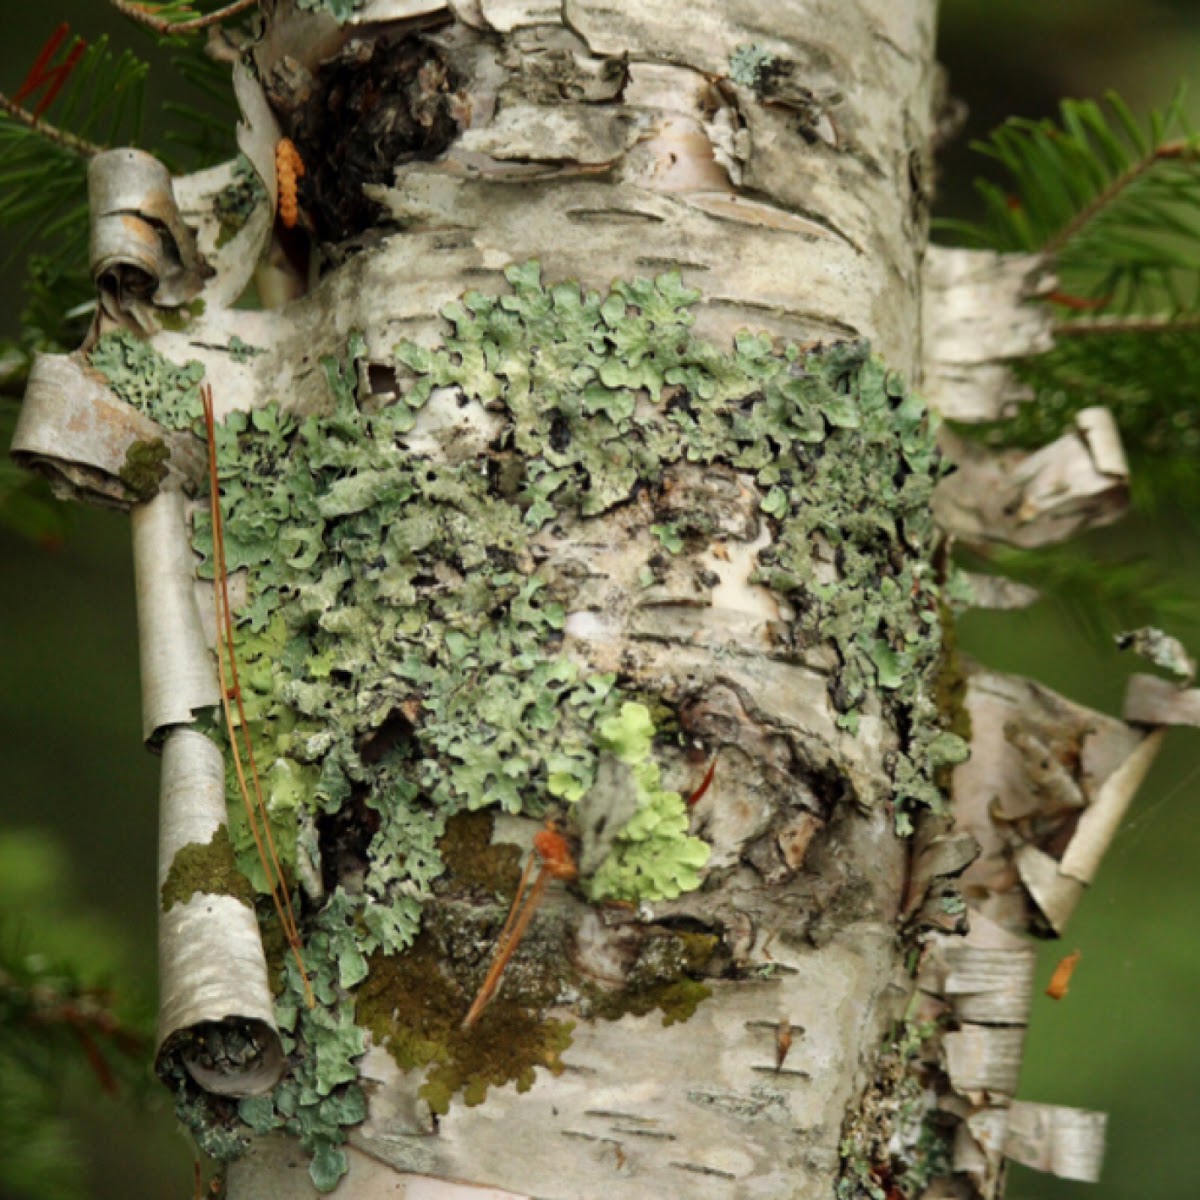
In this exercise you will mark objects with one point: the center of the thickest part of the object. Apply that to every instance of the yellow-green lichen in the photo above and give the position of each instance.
(207, 868)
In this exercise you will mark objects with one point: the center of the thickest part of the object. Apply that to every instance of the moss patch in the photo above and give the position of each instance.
(473, 863)
(208, 868)
(145, 468)
(412, 1006)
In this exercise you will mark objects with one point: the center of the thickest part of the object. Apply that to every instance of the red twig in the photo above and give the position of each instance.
(705, 784)
(264, 840)
(40, 75)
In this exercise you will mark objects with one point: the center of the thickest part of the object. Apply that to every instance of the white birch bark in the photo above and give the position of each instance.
(777, 156)
(806, 218)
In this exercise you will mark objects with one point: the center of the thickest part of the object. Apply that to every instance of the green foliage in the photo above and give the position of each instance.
(1113, 205)
(59, 1025)
(205, 123)
(43, 182)
(1099, 593)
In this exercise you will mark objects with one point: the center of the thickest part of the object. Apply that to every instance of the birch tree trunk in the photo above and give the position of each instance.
(581, 353)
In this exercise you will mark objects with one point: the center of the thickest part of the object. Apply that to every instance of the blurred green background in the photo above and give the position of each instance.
(78, 795)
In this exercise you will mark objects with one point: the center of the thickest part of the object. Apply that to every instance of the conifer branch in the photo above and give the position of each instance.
(1108, 194)
(1154, 323)
(69, 141)
(144, 15)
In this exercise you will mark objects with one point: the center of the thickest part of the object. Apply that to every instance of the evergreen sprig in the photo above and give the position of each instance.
(1100, 593)
(1113, 203)
(43, 166)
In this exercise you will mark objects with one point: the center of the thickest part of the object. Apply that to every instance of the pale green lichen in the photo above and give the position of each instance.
(748, 63)
(400, 647)
(319, 1098)
(340, 10)
(141, 376)
(894, 1143)
(846, 458)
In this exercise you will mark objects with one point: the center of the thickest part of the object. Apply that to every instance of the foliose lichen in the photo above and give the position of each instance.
(894, 1143)
(747, 64)
(401, 646)
(340, 10)
(141, 376)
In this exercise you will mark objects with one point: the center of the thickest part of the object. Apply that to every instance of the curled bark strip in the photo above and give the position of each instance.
(1079, 481)
(142, 252)
(1067, 1142)
(73, 430)
(216, 1018)
(1152, 700)
(176, 662)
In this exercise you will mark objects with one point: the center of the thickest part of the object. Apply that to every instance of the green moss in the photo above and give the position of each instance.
(950, 687)
(472, 861)
(661, 978)
(145, 468)
(207, 868)
(178, 319)
(413, 1006)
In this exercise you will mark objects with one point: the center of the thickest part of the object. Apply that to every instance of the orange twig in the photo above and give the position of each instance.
(231, 686)
(705, 784)
(557, 863)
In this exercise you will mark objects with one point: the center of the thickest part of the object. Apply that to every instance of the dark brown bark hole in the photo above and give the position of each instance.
(394, 731)
(343, 838)
(373, 107)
